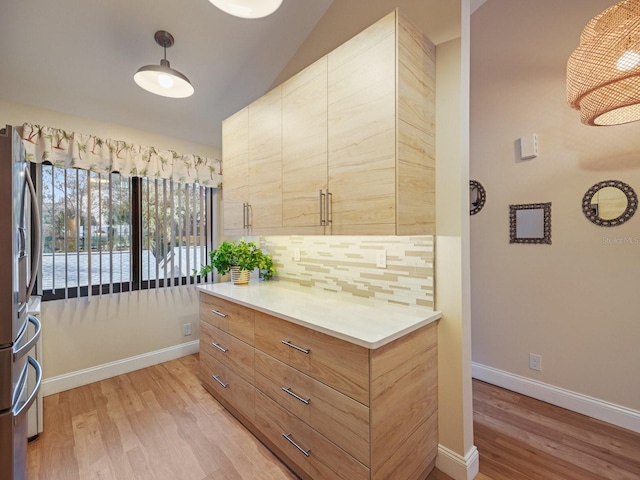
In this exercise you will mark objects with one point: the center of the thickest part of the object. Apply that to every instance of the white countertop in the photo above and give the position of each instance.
(367, 322)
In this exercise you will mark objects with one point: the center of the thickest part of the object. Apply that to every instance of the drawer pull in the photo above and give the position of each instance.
(224, 385)
(288, 437)
(220, 314)
(223, 350)
(297, 397)
(300, 349)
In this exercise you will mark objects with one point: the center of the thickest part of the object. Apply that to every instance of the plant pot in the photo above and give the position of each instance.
(239, 277)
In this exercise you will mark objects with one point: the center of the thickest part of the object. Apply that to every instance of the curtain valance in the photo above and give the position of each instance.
(88, 152)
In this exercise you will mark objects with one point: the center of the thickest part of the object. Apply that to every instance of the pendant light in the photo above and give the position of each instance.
(248, 8)
(162, 79)
(603, 73)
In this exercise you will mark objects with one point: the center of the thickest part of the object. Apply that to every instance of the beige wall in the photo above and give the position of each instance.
(82, 333)
(575, 302)
(78, 333)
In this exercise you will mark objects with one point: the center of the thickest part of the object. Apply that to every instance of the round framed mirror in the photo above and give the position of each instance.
(609, 203)
(477, 197)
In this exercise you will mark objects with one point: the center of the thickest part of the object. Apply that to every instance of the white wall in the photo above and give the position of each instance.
(575, 302)
(79, 334)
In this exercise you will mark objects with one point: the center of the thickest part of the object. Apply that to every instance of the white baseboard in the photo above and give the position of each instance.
(457, 466)
(79, 378)
(592, 407)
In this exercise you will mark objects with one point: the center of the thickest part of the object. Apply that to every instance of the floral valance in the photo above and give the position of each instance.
(103, 155)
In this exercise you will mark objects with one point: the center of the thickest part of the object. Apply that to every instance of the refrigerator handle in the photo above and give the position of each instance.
(35, 261)
(32, 396)
(22, 351)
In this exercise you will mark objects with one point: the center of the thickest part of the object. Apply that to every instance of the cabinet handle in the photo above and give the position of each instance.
(328, 212)
(223, 350)
(244, 215)
(249, 215)
(297, 397)
(321, 207)
(224, 385)
(288, 437)
(220, 314)
(300, 349)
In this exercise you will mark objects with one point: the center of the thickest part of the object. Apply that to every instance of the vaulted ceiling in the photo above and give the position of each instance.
(79, 57)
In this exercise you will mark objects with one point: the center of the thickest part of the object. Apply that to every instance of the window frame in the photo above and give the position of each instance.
(136, 225)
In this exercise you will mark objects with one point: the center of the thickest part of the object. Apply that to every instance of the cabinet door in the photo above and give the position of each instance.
(265, 163)
(304, 148)
(235, 164)
(361, 131)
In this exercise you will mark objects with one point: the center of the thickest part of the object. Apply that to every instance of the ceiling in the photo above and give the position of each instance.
(79, 57)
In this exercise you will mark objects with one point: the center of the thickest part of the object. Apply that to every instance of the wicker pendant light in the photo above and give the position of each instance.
(603, 73)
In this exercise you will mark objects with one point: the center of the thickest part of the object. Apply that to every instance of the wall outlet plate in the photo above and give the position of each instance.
(535, 362)
(186, 329)
(381, 258)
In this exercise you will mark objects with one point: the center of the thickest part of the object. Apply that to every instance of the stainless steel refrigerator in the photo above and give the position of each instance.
(20, 250)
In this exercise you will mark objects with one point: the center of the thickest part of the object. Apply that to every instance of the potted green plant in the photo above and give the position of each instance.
(241, 258)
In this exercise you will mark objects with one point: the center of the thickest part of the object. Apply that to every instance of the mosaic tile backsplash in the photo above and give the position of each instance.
(348, 264)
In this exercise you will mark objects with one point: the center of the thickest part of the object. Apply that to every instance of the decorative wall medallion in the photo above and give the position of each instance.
(477, 196)
(530, 223)
(609, 203)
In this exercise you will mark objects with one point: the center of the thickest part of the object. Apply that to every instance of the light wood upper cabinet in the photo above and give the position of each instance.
(381, 132)
(235, 162)
(304, 148)
(265, 162)
(252, 163)
(361, 133)
(358, 125)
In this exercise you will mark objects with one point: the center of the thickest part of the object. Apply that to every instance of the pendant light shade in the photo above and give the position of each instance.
(162, 79)
(248, 8)
(603, 73)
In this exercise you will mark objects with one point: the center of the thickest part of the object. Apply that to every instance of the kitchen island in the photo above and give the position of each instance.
(337, 386)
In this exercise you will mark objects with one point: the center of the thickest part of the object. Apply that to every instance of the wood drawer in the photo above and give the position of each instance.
(339, 364)
(227, 387)
(228, 317)
(324, 461)
(338, 417)
(230, 351)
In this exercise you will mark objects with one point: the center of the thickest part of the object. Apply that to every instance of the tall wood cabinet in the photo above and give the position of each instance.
(357, 137)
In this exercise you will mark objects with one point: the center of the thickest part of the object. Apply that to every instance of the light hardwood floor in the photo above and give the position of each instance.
(159, 423)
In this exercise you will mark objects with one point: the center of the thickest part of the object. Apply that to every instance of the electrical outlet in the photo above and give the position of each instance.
(381, 258)
(535, 362)
(186, 329)
(296, 254)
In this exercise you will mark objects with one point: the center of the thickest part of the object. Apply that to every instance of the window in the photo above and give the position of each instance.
(104, 233)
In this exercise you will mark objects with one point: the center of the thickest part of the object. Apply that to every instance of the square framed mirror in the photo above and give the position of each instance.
(530, 223)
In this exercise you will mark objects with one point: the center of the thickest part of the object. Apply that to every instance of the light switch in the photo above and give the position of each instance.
(529, 146)
(296, 254)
